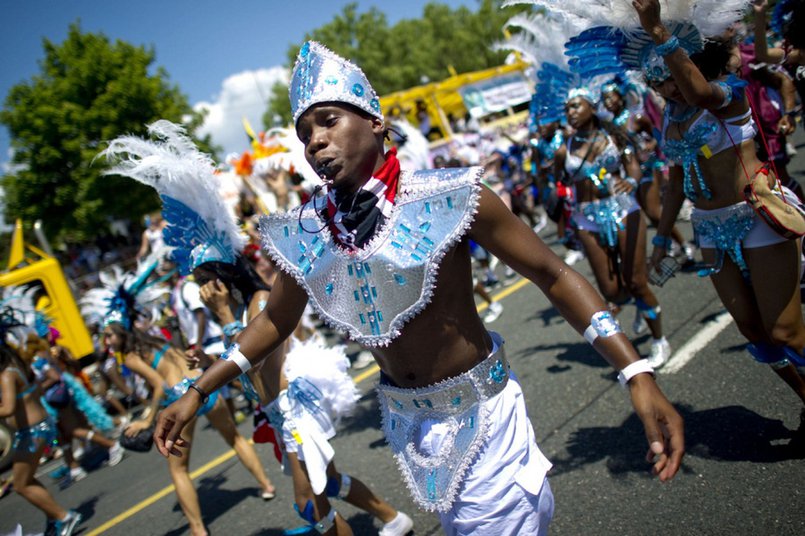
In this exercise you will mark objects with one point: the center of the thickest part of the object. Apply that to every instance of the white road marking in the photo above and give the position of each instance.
(688, 350)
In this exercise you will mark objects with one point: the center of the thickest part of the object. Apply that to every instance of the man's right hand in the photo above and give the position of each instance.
(172, 421)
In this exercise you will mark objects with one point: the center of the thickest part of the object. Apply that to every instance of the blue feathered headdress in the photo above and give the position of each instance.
(123, 297)
(200, 226)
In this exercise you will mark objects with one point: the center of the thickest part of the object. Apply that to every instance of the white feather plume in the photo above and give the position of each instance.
(326, 368)
(173, 166)
(542, 36)
(713, 17)
(21, 300)
(414, 155)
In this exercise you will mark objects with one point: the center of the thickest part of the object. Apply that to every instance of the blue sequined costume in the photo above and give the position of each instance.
(30, 439)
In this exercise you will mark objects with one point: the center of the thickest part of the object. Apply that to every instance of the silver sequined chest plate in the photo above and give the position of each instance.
(370, 294)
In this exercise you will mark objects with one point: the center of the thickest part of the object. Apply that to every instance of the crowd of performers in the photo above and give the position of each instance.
(642, 109)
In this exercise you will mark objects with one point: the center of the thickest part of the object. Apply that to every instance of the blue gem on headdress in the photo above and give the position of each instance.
(357, 89)
(375, 104)
(332, 80)
(305, 49)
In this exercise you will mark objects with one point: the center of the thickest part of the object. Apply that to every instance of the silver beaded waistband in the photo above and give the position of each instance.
(458, 402)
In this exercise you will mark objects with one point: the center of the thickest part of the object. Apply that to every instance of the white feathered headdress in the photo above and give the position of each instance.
(200, 228)
(125, 296)
(19, 316)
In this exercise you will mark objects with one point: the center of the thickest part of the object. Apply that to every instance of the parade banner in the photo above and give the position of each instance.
(496, 94)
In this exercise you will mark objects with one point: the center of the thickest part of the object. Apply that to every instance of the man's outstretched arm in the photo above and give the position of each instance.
(503, 234)
(262, 335)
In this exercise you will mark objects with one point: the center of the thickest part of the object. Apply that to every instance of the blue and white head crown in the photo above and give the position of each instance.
(582, 92)
(321, 75)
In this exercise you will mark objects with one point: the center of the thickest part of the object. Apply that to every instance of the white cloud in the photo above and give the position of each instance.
(243, 94)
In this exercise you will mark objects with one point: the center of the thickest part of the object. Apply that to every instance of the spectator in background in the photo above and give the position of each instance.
(152, 235)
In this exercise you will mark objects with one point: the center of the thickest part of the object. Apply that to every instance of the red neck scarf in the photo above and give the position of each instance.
(354, 219)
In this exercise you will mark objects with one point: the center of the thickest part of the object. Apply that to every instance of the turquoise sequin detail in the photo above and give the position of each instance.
(686, 152)
(30, 439)
(727, 234)
(498, 372)
(608, 214)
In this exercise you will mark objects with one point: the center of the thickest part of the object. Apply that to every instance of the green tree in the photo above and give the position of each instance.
(88, 91)
(399, 57)
(279, 106)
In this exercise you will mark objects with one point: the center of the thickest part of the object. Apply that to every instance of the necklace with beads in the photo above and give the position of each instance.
(684, 116)
(587, 138)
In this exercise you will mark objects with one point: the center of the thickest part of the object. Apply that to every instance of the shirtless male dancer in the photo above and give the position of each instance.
(385, 257)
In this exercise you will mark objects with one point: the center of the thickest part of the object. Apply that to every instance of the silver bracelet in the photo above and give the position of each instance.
(602, 324)
(633, 369)
(234, 355)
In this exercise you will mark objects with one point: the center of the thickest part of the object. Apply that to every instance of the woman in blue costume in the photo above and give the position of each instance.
(642, 134)
(609, 222)
(80, 417)
(709, 134)
(169, 375)
(19, 403)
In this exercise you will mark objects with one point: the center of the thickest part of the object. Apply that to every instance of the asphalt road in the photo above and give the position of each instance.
(742, 474)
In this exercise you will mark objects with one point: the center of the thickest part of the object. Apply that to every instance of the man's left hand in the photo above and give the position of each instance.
(664, 427)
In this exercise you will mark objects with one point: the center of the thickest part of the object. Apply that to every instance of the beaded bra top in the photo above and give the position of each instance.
(372, 292)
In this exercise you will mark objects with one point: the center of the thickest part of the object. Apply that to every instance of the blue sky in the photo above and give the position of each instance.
(223, 55)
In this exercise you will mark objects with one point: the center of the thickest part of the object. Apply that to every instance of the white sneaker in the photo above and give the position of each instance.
(66, 526)
(689, 250)
(77, 474)
(541, 223)
(399, 526)
(364, 359)
(573, 256)
(493, 312)
(639, 325)
(660, 352)
(115, 454)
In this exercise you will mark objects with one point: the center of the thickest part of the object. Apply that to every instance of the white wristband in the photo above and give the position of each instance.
(602, 324)
(633, 369)
(234, 355)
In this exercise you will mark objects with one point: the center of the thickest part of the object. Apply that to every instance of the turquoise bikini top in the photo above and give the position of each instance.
(158, 356)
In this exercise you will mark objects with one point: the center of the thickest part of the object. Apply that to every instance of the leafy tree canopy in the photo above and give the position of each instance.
(87, 92)
(411, 51)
